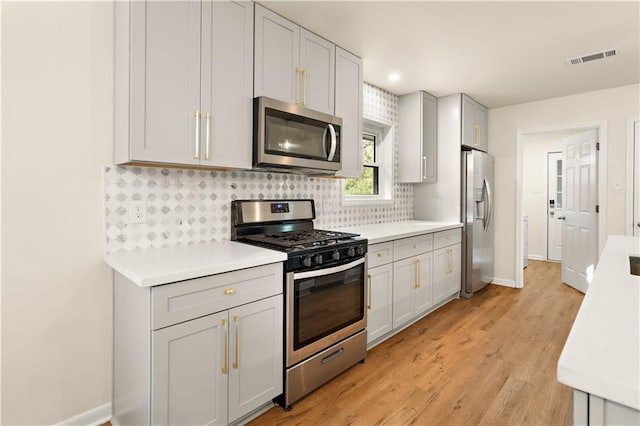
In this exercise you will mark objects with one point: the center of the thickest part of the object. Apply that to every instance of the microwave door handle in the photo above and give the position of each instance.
(324, 140)
(334, 142)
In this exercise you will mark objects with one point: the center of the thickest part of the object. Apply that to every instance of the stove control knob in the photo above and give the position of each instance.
(306, 261)
(360, 250)
(318, 259)
(351, 252)
(336, 255)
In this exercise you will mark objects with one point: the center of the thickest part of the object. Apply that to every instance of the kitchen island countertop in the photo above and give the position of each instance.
(602, 353)
(383, 232)
(158, 266)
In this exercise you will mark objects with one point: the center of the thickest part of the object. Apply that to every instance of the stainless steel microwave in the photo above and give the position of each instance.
(292, 137)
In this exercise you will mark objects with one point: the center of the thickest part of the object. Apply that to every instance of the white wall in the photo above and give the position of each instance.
(611, 105)
(57, 117)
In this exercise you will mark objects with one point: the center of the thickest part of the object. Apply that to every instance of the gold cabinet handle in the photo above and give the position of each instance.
(304, 88)
(449, 261)
(236, 362)
(226, 349)
(369, 290)
(297, 86)
(477, 126)
(380, 254)
(229, 290)
(418, 273)
(196, 115)
(416, 264)
(208, 134)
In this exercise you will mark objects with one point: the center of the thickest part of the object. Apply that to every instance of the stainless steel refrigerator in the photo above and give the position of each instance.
(477, 218)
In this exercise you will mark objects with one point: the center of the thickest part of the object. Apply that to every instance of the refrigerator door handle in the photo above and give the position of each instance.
(488, 204)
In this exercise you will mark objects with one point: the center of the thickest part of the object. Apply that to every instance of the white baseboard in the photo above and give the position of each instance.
(536, 257)
(503, 282)
(95, 416)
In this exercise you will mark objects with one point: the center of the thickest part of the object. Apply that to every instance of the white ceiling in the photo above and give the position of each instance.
(500, 53)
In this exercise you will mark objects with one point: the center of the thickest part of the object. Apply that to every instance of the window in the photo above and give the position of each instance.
(375, 184)
(368, 184)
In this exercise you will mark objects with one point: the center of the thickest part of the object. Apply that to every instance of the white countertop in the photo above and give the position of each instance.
(382, 232)
(161, 266)
(602, 353)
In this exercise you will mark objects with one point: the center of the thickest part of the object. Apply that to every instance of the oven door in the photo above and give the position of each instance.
(324, 306)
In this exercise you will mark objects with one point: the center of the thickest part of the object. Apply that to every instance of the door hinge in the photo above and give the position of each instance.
(597, 146)
(597, 208)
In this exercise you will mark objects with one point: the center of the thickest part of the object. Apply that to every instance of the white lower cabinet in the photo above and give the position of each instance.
(229, 359)
(202, 351)
(408, 279)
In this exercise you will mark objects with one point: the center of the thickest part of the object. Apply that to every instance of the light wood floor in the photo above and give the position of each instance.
(487, 360)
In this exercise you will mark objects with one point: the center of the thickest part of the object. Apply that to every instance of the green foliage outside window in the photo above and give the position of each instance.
(367, 184)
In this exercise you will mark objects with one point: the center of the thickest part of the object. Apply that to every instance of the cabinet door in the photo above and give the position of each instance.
(317, 71)
(348, 99)
(380, 302)
(422, 294)
(480, 120)
(410, 142)
(429, 150)
(227, 84)
(255, 355)
(277, 56)
(189, 385)
(165, 81)
(417, 144)
(454, 277)
(440, 265)
(469, 134)
(404, 280)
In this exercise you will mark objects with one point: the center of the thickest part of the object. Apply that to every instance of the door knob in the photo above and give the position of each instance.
(638, 224)
(561, 217)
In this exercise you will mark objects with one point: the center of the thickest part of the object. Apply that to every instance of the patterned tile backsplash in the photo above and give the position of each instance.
(193, 206)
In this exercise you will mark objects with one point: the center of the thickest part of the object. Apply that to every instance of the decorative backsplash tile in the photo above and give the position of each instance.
(193, 206)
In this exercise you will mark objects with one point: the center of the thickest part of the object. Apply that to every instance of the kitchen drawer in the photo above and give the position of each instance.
(408, 247)
(185, 300)
(446, 238)
(379, 254)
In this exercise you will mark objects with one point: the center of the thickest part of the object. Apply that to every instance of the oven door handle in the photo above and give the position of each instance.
(327, 271)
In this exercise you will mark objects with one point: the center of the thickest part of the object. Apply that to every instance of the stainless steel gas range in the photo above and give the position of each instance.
(325, 290)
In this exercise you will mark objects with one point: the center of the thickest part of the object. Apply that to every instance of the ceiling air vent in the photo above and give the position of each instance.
(592, 57)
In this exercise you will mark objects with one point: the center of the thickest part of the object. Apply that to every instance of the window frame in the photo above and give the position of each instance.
(384, 160)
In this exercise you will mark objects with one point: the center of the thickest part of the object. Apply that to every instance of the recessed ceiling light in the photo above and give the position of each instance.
(394, 76)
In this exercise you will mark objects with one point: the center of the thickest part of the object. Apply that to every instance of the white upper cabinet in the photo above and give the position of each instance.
(183, 83)
(474, 124)
(348, 99)
(292, 64)
(417, 142)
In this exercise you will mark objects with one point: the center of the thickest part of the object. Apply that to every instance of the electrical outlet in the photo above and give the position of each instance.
(138, 211)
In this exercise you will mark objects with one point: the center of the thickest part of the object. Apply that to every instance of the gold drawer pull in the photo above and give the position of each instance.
(414, 246)
(229, 291)
(380, 254)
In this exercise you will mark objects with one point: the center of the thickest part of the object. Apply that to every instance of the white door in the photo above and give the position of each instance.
(554, 206)
(636, 179)
(580, 231)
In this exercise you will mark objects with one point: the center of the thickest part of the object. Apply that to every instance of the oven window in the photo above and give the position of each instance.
(323, 305)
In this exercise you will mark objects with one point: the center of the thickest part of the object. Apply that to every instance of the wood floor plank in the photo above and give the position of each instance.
(490, 359)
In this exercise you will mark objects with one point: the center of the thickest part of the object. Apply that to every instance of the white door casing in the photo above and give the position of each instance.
(580, 229)
(636, 179)
(554, 193)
